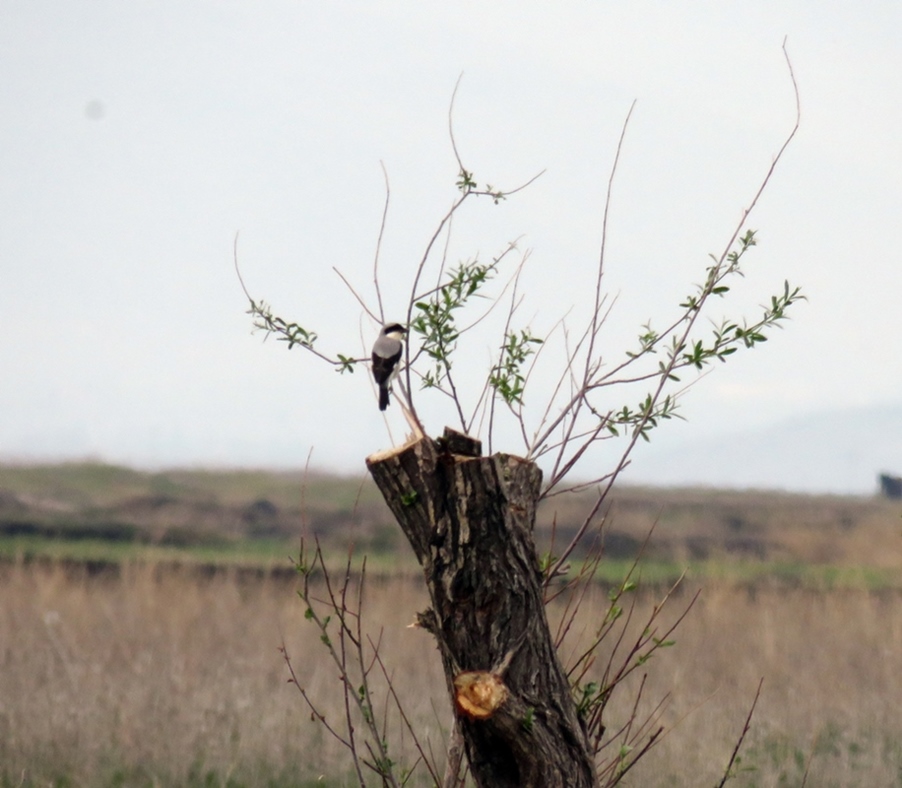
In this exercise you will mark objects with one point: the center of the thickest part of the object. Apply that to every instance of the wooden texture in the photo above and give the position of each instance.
(470, 522)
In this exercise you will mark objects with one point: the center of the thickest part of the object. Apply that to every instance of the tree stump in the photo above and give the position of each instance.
(470, 522)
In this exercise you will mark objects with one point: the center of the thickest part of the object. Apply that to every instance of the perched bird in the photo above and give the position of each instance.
(387, 352)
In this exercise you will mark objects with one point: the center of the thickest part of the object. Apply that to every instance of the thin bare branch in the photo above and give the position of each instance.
(416, 283)
(667, 370)
(238, 270)
(379, 245)
(430, 766)
(570, 411)
(313, 708)
(460, 164)
(376, 318)
(578, 486)
(745, 729)
(595, 324)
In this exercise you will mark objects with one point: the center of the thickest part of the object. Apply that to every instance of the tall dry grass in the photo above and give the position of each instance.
(160, 676)
(831, 663)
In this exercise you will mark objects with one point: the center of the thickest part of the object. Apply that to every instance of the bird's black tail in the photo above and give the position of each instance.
(383, 397)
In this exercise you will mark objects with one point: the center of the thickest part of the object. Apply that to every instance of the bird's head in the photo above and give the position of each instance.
(394, 331)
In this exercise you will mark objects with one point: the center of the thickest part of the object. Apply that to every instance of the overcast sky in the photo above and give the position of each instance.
(138, 138)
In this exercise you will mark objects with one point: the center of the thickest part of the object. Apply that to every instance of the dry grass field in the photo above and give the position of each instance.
(151, 675)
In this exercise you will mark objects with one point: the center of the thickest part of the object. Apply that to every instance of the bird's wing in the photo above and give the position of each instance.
(383, 367)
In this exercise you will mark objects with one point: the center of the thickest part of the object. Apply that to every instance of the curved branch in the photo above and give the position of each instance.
(379, 245)
(666, 371)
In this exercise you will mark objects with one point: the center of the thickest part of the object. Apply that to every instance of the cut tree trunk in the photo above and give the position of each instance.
(470, 522)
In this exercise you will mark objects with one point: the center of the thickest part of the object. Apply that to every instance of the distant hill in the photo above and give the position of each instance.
(81, 501)
(836, 452)
(90, 502)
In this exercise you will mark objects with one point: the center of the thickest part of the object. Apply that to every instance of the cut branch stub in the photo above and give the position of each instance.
(479, 694)
(470, 520)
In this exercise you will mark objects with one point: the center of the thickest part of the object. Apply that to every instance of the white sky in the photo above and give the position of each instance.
(137, 138)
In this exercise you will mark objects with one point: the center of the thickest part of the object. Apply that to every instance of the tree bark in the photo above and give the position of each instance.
(470, 522)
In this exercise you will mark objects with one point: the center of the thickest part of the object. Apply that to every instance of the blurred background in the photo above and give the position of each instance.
(138, 139)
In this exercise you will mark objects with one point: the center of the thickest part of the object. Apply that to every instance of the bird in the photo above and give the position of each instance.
(387, 350)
